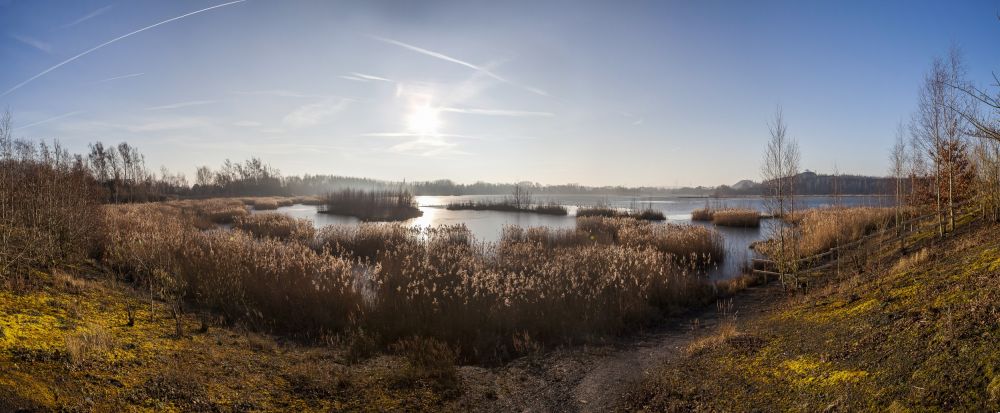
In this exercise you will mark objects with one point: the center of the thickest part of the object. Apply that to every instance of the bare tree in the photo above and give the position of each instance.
(938, 127)
(778, 171)
(899, 159)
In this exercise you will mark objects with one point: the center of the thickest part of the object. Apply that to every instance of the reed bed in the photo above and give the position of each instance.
(736, 217)
(266, 283)
(276, 225)
(508, 206)
(265, 204)
(702, 214)
(824, 228)
(536, 287)
(372, 205)
(307, 200)
(647, 214)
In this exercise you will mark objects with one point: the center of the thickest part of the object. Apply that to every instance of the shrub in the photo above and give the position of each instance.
(49, 211)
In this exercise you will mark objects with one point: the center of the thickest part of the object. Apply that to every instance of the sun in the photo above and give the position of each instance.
(424, 120)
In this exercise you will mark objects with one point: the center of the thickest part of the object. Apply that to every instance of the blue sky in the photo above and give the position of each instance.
(657, 93)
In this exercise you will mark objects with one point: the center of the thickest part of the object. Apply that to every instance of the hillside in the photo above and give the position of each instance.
(914, 333)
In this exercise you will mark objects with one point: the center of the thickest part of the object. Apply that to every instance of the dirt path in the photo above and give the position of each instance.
(593, 378)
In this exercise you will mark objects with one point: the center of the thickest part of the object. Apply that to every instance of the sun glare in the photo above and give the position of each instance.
(424, 120)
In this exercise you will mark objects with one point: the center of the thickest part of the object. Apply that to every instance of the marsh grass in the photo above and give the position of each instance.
(648, 214)
(276, 225)
(735, 217)
(508, 205)
(702, 214)
(487, 302)
(385, 205)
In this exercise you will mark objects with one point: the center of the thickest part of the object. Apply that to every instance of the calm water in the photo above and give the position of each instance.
(486, 225)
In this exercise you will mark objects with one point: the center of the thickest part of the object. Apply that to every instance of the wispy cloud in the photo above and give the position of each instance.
(87, 16)
(246, 124)
(316, 113)
(284, 93)
(179, 105)
(95, 48)
(447, 58)
(427, 147)
(120, 77)
(498, 112)
(33, 42)
(361, 77)
(416, 135)
(54, 118)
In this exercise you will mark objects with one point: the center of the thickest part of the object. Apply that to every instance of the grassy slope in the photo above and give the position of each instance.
(922, 334)
(146, 368)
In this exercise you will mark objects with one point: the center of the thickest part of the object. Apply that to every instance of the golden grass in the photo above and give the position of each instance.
(276, 225)
(265, 204)
(735, 217)
(372, 205)
(702, 214)
(485, 300)
(648, 214)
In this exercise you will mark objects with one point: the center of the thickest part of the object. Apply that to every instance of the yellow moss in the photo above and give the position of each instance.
(27, 387)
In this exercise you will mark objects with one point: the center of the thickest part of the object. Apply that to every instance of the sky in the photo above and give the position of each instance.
(652, 93)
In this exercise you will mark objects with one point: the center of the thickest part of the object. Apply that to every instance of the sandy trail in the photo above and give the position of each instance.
(594, 378)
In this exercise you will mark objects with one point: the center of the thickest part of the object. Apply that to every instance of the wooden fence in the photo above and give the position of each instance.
(803, 269)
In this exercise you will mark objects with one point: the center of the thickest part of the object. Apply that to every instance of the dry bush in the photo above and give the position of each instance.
(48, 208)
(88, 345)
(275, 225)
(734, 217)
(725, 333)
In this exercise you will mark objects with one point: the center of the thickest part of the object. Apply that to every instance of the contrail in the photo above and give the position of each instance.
(88, 51)
(120, 77)
(64, 115)
(447, 58)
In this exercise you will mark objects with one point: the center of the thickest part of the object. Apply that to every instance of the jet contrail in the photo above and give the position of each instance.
(447, 58)
(88, 51)
(64, 115)
(120, 77)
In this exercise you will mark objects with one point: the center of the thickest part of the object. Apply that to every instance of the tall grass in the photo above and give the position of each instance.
(508, 205)
(648, 214)
(372, 205)
(276, 225)
(535, 287)
(736, 217)
(266, 283)
(702, 214)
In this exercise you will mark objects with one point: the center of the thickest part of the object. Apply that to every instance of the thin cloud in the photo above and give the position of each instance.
(33, 42)
(179, 105)
(246, 124)
(54, 118)
(95, 48)
(416, 135)
(315, 113)
(371, 77)
(279, 93)
(498, 112)
(352, 78)
(447, 58)
(120, 77)
(86, 17)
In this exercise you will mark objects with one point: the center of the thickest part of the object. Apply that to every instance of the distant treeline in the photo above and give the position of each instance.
(121, 171)
(810, 183)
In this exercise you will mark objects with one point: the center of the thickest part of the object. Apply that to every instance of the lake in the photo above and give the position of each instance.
(487, 225)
